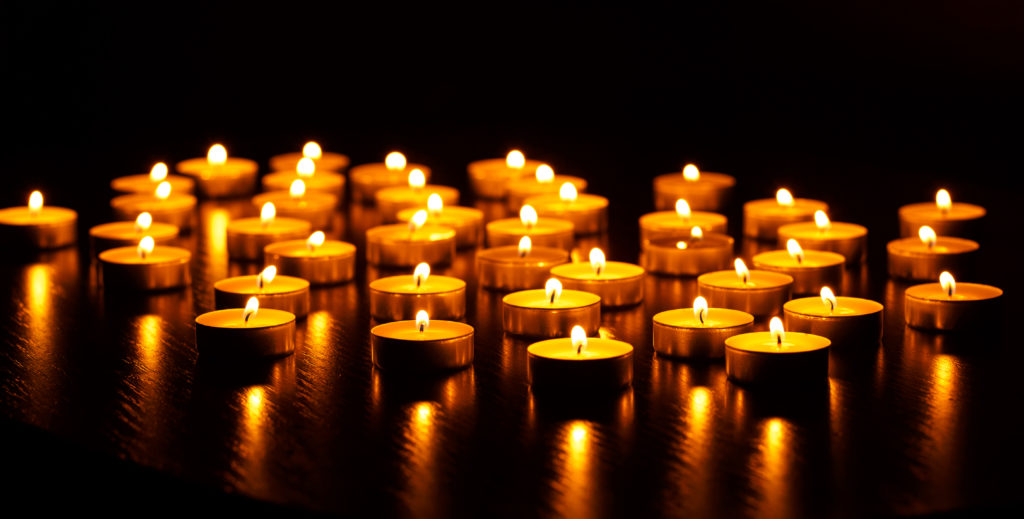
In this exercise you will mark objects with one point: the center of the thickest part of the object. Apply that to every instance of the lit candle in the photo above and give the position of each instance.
(146, 183)
(517, 267)
(325, 161)
(550, 311)
(391, 200)
(545, 232)
(618, 283)
(37, 227)
(396, 298)
(762, 218)
(422, 344)
(757, 292)
(776, 357)
(279, 292)
(247, 237)
(177, 209)
(122, 234)
(327, 182)
(950, 306)
(467, 222)
(315, 259)
(810, 269)
(367, 179)
(406, 245)
(220, 176)
(846, 321)
(145, 266)
(580, 364)
(927, 255)
(245, 333)
(698, 332)
(317, 208)
(489, 178)
(543, 182)
(946, 217)
(588, 213)
(704, 190)
(696, 254)
(677, 223)
(848, 239)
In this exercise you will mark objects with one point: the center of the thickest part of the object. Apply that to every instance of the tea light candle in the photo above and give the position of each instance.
(944, 216)
(776, 357)
(762, 218)
(517, 267)
(757, 292)
(926, 256)
(315, 259)
(698, 332)
(848, 239)
(396, 298)
(247, 237)
(367, 179)
(810, 269)
(550, 311)
(148, 183)
(543, 182)
(618, 283)
(704, 190)
(676, 224)
(421, 345)
(544, 232)
(325, 161)
(220, 176)
(401, 245)
(588, 213)
(164, 206)
(489, 178)
(327, 182)
(36, 226)
(845, 321)
(145, 266)
(248, 333)
(467, 222)
(279, 292)
(950, 306)
(122, 234)
(695, 255)
(317, 208)
(391, 200)
(579, 364)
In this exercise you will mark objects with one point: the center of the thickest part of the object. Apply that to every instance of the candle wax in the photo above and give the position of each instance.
(367, 179)
(163, 268)
(48, 228)
(332, 262)
(247, 237)
(668, 224)
(467, 222)
(320, 182)
(391, 200)
(847, 239)
(143, 184)
(328, 162)
(122, 234)
(317, 208)
(521, 189)
(547, 232)
(588, 213)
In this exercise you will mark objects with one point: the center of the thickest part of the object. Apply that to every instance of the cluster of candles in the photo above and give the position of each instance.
(549, 296)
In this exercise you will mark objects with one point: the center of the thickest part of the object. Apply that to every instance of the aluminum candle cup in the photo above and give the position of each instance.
(848, 239)
(220, 176)
(124, 234)
(163, 268)
(392, 200)
(669, 224)
(957, 219)
(325, 161)
(688, 256)
(330, 263)
(313, 207)
(396, 246)
(547, 232)
(817, 269)
(367, 179)
(706, 191)
(327, 182)
(618, 284)
(502, 268)
(521, 189)
(177, 209)
(396, 298)
(972, 306)
(762, 218)
(489, 178)
(247, 237)
(851, 322)
(531, 313)
(402, 346)
(45, 227)
(910, 258)
(758, 358)
(679, 333)
(225, 334)
(604, 365)
(762, 295)
(286, 293)
(467, 222)
(588, 213)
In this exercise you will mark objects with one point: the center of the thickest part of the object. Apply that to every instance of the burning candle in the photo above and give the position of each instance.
(757, 292)
(247, 237)
(146, 183)
(692, 256)
(845, 321)
(926, 256)
(317, 208)
(220, 176)
(396, 298)
(579, 364)
(698, 332)
(544, 232)
(279, 292)
(327, 182)
(406, 245)
(315, 259)
(550, 311)
(391, 200)
(677, 224)
(704, 190)
(489, 178)
(367, 179)
(467, 222)
(944, 216)
(848, 239)
(617, 283)
(588, 213)
(543, 182)
(36, 226)
(762, 218)
(776, 357)
(177, 209)
(517, 267)
(323, 160)
(950, 306)
(122, 234)
(145, 266)
(246, 333)
(422, 345)
(810, 269)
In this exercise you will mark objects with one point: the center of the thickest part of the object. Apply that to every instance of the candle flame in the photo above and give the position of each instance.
(691, 173)
(829, 299)
(784, 197)
(552, 290)
(528, 215)
(305, 167)
(315, 240)
(434, 204)
(217, 155)
(943, 200)
(158, 173)
(421, 273)
(795, 250)
(143, 222)
(778, 332)
(35, 202)
(545, 174)
(251, 307)
(948, 283)
(696, 233)
(927, 235)
(422, 321)
(163, 190)
(741, 271)
(525, 244)
(515, 159)
(568, 192)
(700, 309)
(417, 179)
(145, 247)
(267, 213)
(297, 189)
(418, 219)
(683, 209)
(579, 339)
(597, 260)
(821, 221)
(681, 245)
(266, 276)
(312, 150)
(395, 161)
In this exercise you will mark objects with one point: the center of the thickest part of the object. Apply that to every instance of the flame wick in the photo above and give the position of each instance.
(700, 316)
(831, 306)
(579, 349)
(554, 294)
(423, 326)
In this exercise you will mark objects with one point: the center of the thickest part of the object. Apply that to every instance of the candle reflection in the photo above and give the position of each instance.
(575, 485)
(251, 448)
(423, 493)
(772, 467)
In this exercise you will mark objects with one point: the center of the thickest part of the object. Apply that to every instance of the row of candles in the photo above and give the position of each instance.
(550, 296)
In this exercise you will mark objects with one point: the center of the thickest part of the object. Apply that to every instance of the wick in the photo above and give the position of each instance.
(949, 291)
(778, 342)
(259, 282)
(799, 259)
(701, 317)
(522, 254)
(553, 294)
(419, 281)
(831, 307)
(579, 349)
(746, 279)
(422, 327)
(597, 271)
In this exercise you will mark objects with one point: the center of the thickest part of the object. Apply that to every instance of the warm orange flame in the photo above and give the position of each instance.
(267, 213)
(553, 290)
(312, 150)
(567, 192)
(681, 245)
(395, 161)
(420, 274)
(948, 283)
(778, 332)
(741, 271)
(943, 200)
(545, 174)
(158, 173)
(696, 233)
(927, 235)
(217, 155)
(795, 250)
(305, 168)
(528, 216)
(297, 189)
(251, 307)
(145, 247)
(515, 159)
(829, 299)
(525, 244)
(422, 321)
(691, 173)
(143, 222)
(35, 202)
(597, 260)
(784, 197)
(266, 276)
(163, 190)
(434, 204)
(700, 309)
(821, 221)
(418, 219)
(417, 179)
(315, 240)
(579, 339)
(683, 209)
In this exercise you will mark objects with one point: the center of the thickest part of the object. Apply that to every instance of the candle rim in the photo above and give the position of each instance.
(323, 252)
(819, 342)
(422, 288)
(899, 246)
(661, 317)
(248, 283)
(410, 324)
(626, 351)
(931, 211)
(180, 255)
(596, 299)
(834, 259)
(494, 254)
(777, 283)
(912, 292)
(786, 307)
(266, 312)
(598, 279)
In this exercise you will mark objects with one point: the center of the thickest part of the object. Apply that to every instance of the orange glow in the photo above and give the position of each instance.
(305, 167)
(217, 155)
(567, 192)
(545, 174)
(417, 179)
(552, 290)
(143, 222)
(312, 150)
(579, 339)
(784, 197)
(35, 202)
(158, 173)
(515, 159)
(691, 173)
(395, 161)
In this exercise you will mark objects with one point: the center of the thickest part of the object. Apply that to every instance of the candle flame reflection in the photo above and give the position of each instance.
(312, 150)
(784, 197)
(217, 155)
(544, 174)
(305, 167)
(515, 159)
(158, 172)
(395, 161)
(948, 283)
(691, 173)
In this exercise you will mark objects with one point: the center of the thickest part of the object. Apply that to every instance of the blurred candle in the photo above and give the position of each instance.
(36, 226)
(324, 161)
(588, 213)
(367, 179)
(406, 245)
(762, 218)
(317, 208)
(927, 255)
(220, 176)
(122, 234)
(146, 183)
(946, 217)
(543, 182)
(489, 178)
(391, 200)
(848, 239)
(467, 222)
(702, 189)
(696, 254)
(544, 232)
(247, 237)
(328, 182)
(679, 222)
(950, 306)
(162, 204)
(776, 357)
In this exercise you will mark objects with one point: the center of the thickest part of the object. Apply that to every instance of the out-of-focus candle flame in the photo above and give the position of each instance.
(545, 174)
(696, 233)
(943, 201)
(528, 215)
(417, 179)
(552, 290)
(927, 235)
(948, 283)
(163, 190)
(829, 299)
(298, 189)
(579, 339)
(795, 250)
(681, 245)
(267, 214)
(395, 161)
(777, 330)
(418, 219)
(143, 222)
(683, 209)
(312, 150)
(420, 274)
(315, 241)
(305, 167)
(217, 155)
(515, 159)
(784, 197)
(525, 244)
(742, 271)
(422, 321)
(434, 204)
(35, 202)
(700, 309)
(691, 173)
(158, 173)
(567, 192)
(821, 221)
(597, 260)
(266, 276)
(145, 247)
(251, 307)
